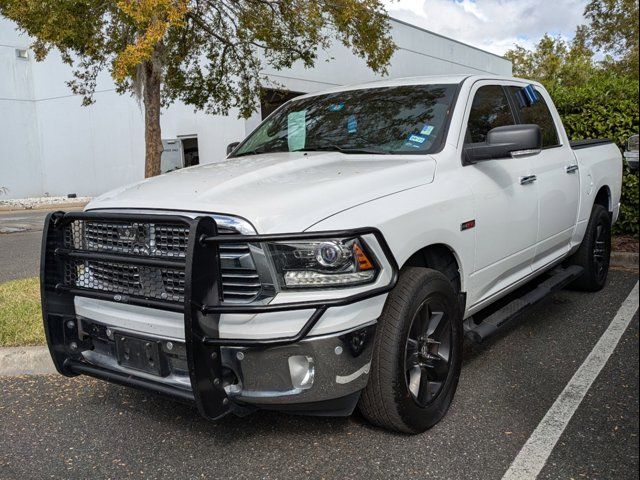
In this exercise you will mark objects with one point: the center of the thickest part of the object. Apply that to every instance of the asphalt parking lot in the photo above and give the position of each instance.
(55, 427)
(20, 235)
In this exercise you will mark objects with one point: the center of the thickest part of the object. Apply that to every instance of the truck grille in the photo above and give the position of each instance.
(240, 280)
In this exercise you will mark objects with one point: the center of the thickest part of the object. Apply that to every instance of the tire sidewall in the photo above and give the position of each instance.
(416, 417)
(600, 216)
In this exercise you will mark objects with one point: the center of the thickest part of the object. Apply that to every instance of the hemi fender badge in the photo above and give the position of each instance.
(467, 225)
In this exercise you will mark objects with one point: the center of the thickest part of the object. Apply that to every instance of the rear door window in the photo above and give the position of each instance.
(532, 108)
(490, 109)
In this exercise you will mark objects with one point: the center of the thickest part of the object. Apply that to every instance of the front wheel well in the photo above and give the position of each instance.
(441, 258)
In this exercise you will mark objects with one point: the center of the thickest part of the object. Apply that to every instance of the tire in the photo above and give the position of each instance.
(409, 388)
(594, 252)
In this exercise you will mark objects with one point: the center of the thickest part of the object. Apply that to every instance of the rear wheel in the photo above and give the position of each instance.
(417, 354)
(594, 252)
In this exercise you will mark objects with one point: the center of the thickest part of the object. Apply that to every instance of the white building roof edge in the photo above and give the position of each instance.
(422, 29)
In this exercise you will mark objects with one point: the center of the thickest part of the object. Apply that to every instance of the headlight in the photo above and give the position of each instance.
(331, 262)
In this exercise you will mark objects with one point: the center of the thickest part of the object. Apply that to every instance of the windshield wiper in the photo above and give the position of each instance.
(255, 151)
(322, 148)
(272, 146)
(337, 148)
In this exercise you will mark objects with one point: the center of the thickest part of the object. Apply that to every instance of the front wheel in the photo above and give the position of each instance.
(417, 354)
(594, 252)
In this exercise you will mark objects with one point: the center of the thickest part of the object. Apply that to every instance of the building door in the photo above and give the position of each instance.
(190, 150)
(172, 158)
(179, 153)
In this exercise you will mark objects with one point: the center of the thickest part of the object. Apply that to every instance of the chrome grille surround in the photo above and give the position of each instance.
(244, 280)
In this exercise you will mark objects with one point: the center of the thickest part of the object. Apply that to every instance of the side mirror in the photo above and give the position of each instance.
(631, 152)
(505, 142)
(231, 147)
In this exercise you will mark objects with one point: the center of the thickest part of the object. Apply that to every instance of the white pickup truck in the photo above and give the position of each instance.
(339, 254)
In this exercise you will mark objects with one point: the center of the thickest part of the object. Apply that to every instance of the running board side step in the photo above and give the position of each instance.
(560, 277)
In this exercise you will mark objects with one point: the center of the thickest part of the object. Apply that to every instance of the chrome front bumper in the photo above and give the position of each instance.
(316, 369)
(338, 365)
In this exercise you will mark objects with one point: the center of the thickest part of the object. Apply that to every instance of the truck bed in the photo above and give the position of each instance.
(592, 142)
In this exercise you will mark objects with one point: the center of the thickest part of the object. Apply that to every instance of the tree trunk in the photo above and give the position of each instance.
(152, 134)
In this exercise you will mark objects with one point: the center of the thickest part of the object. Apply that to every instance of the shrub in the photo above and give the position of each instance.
(605, 107)
(628, 220)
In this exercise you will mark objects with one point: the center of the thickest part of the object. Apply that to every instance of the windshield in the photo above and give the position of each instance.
(389, 120)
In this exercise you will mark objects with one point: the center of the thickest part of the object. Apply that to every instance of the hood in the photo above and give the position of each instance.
(280, 192)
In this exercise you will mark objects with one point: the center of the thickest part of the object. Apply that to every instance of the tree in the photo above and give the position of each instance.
(205, 53)
(613, 28)
(554, 61)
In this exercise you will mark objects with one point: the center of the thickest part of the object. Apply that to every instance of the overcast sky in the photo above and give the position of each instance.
(493, 25)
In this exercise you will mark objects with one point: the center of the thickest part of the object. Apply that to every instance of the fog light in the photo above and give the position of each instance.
(302, 371)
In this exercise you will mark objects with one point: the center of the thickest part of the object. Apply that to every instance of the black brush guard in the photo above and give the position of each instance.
(202, 304)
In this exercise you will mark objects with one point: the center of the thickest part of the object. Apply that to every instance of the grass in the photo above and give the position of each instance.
(20, 314)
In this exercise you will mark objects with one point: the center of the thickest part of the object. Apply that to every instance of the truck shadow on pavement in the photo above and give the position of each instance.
(175, 416)
(534, 343)
(179, 417)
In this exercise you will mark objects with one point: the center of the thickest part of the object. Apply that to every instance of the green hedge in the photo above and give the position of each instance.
(628, 220)
(605, 107)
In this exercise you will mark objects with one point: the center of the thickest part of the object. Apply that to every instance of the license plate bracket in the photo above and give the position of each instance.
(140, 354)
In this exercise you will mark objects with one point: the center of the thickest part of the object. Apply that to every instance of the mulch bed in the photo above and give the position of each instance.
(624, 243)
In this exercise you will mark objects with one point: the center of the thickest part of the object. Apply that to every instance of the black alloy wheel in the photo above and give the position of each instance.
(601, 250)
(594, 252)
(427, 352)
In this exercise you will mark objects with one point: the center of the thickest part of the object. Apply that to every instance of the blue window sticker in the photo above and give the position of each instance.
(427, 129)
(414, 141)
(531, 94)
(336, 107)
(527, 96)
(352, 124)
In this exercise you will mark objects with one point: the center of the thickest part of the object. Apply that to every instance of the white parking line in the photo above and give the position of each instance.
(535, 453)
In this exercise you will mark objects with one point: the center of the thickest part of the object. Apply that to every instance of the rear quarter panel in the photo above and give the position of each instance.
(600, 166)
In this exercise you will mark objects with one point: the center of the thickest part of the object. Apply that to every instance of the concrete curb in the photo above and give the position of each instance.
(624, 260)
(51, 206)
(25, 361)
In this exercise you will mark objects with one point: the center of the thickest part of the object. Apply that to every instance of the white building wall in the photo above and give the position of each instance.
(19, 142)
(51, 144)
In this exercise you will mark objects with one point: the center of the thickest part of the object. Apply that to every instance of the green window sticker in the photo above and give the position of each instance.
(427, 129)
(296, 130)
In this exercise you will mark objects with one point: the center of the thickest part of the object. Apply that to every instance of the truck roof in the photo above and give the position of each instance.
(420, 80)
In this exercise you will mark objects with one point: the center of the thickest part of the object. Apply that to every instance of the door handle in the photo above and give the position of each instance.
(571, 168)
(528, 179)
